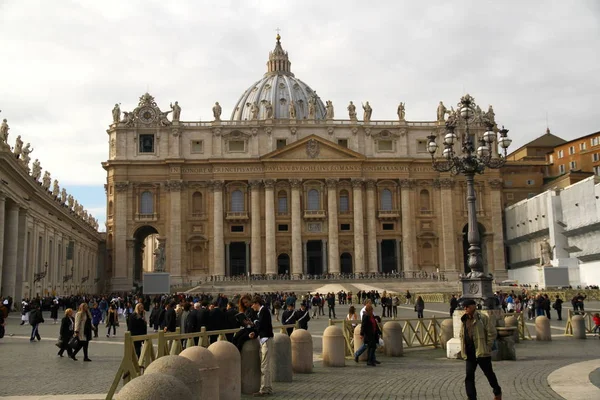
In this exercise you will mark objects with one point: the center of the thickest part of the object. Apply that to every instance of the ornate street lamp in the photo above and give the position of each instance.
(473, 159)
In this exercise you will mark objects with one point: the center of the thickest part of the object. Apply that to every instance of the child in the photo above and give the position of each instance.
(596, 319)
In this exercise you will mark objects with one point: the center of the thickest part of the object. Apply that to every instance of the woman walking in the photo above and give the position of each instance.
(67, 327)
(83, 330)
(112, 320)
(419, 307)
(138, 326)
(369, 331)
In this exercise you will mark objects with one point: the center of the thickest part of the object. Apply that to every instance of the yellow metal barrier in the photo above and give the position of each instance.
(587, 317)
(167, 344)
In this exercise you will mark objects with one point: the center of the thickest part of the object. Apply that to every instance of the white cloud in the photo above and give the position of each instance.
(65, 64)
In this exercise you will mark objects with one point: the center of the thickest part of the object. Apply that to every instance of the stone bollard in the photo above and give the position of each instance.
(511, 321)
(578, 324)
(207, 369)
(154, 387)
(358, 342)
(302, 351)
(334, 347)
(251, 366)
(447, 332)
(230, 370)
(393, 339)
(542, 329)
(179, 367)
(282, 358)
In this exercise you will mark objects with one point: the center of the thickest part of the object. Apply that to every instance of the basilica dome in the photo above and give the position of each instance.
(279, 94)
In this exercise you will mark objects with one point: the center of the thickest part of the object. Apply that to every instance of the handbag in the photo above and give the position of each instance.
(59, 343)
(74, 342)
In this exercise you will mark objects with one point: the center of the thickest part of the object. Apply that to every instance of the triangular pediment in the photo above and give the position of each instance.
(313, 147)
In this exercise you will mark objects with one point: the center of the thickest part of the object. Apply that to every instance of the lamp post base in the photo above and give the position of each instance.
(479, 288)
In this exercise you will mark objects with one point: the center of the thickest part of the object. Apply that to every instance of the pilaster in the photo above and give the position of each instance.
(219, 262)
(296, 228)
(174, 265)
(450, 263)
(359, 233)
(9, 270)
(371, 226)
(121, 280)
(499, 267)
(333, 234)
(256, 249)
(270, 251)
(409, 238)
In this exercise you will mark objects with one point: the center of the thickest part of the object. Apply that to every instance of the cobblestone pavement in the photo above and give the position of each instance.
(35, 369)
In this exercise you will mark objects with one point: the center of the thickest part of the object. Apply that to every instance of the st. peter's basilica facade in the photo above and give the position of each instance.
(286, 185)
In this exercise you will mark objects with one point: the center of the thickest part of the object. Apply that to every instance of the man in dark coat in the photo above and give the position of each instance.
(216, 320)
(264, 327)
(453, 304)
(170, 317)
(302, 316)
(331, 304)
(35, 319)
(289, 318)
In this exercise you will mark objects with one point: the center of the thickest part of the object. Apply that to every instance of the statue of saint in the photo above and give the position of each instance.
(55, 189)
(116, 113)
(253, 111)
(268, 110)
(70, 201)
(159, 258)
(292, 109)
(401, 112)
(4, 131)
(25, 153)
(546, 253)
(329, 110)
(36, 170)
(63, 195)
(217, 111)
(18, 147)
(352, 111)
(441, 111)
(176, 111)
(367, 112)
(46, 180)
(491, 115)
(76, 206)
(312, 111)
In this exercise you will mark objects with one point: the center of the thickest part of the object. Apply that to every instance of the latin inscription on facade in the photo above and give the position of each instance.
(299, 168)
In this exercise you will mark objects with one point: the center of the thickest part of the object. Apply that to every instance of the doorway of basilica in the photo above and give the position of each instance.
(283, 264)
(237, 258)
(346, 263)
(389, 260)
(144, 246)
(314, 257)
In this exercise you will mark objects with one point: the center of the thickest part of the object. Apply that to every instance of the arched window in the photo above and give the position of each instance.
(344, 201)
(146, 203)
(237, 201)
(314, 202)
(424, 200)
(197, 202)
(282, 203)
(386, 200)
(110, 208)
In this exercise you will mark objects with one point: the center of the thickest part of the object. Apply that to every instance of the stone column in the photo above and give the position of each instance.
(305, 257)
(324, 255)
(333, 229)
(398, 255)
(498, 269)
(9, 270)
(371, 226)
(449, 263)
(121, 280)
(408, 224)
(270, 250)
(296, 228)
(218, 256)
(359, 232)
(256, 261)
(379, 260)
(174, 260)
(2, 223)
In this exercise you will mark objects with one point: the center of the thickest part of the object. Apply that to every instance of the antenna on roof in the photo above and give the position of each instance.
(547, 126)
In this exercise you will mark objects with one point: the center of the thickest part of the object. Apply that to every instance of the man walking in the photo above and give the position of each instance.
(453, 304)
(35, 319)
(264, 327)
(477, 336)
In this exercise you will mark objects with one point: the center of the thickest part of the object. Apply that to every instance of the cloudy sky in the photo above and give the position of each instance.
(64, 64)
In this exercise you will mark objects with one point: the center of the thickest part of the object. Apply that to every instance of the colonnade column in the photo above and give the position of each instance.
(499, 267)
(448, 229)
(270, 250)
(2, 221)
(174, 242)
(409, 239)
(9, 269)
(371, 226)
(296, 228)
(256, 244)
(359, 232)
(218, 251)
(332, 217)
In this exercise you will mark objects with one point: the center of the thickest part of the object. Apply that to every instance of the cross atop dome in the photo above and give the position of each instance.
(279, 63)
